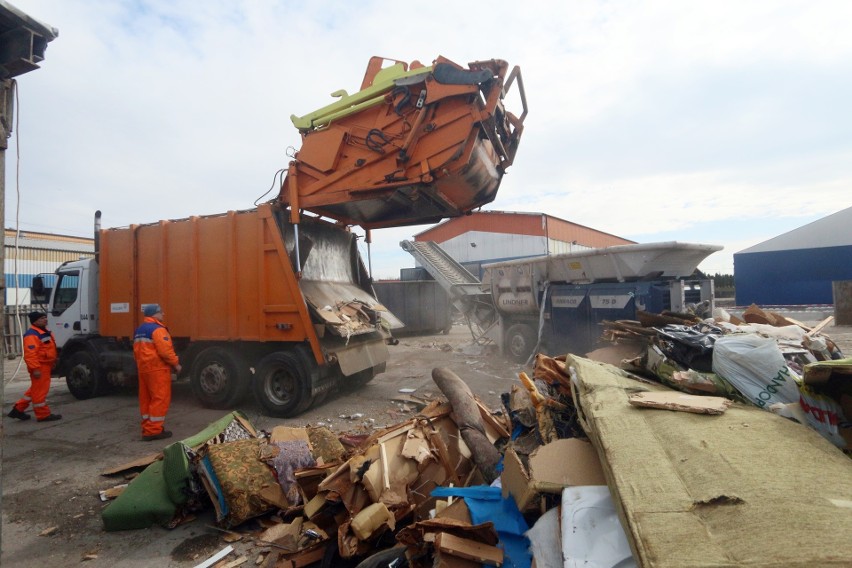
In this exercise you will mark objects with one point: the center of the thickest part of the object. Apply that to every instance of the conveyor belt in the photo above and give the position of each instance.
(440, 265)
(463, 287)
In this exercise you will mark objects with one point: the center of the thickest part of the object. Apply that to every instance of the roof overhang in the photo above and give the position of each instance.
(23, 41)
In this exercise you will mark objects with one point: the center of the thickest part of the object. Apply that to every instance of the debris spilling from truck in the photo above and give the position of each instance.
(586, 461)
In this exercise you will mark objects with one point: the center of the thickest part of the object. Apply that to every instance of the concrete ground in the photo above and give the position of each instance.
(51, 472)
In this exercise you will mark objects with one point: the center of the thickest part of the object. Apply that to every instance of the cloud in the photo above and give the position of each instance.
(717, 122)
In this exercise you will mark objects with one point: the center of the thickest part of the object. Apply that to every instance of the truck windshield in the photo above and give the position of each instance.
(65, 293)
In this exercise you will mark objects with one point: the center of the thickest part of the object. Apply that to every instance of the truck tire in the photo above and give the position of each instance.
(282, 385)
(219, 378)
(85, 377)
(520, 342)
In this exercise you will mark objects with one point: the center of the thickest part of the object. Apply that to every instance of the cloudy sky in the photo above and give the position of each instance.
(721, 122)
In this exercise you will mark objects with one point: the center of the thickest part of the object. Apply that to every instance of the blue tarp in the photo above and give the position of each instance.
(486, 504)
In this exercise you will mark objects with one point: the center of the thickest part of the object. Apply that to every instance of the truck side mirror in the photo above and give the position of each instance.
(39, 293)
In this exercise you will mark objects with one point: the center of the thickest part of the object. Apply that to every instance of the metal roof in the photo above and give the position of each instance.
(48, 244)
(832, 231)
(23, 41)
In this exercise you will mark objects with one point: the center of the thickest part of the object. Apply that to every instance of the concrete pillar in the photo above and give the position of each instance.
(842, 302)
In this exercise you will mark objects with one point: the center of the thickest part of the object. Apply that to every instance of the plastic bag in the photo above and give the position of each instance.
(823, 414)
(690, 346)
(755, 366)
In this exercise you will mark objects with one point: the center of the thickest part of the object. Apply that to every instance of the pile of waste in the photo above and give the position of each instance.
(764, 359)
(709, 442)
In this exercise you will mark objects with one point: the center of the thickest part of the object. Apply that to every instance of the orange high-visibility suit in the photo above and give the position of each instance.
(155, 356)
(40, 356)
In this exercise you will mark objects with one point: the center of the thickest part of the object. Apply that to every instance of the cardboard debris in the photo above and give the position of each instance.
(112, 492)
(370, 519)
(416, 447)
(562, 463)
(416, 534)
(457, 510)
(143, 461)
(234, 563)
(301, 559)
(325, 445)
(288, 434)
(231, 536)
(469, 549)
(284, 534)
(418, 402)
(616, 353)
(674, 400)
(495, 427)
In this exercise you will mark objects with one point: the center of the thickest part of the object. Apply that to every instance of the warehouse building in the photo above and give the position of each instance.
(495, 236)
(798, 267)
(30, 253)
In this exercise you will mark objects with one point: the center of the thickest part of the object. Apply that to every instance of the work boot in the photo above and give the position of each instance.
(50, 418)
(161, 436)
(15, 413)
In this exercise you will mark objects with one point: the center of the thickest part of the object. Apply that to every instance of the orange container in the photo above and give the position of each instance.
(225, 277)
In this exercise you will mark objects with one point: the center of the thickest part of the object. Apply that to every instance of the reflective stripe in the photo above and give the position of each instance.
(143, 340)
(27, 398)
(39, 405)
(145, 417)
(158, 419)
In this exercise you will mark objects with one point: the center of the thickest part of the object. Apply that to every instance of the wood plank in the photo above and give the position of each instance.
(469, 549)
(820, 326)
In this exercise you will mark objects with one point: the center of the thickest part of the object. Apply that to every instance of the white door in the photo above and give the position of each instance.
(65, 306)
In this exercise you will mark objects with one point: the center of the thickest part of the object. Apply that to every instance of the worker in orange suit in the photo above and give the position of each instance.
(155, 358)
(40, 357)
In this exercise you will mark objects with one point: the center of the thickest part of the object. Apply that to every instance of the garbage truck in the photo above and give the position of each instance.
(238, 315)
(277, 299)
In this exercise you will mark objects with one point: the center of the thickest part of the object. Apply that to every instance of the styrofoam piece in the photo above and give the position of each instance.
(592, 535)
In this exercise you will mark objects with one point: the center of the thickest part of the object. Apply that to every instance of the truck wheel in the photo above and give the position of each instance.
(85, 378)
(219, 378)
(520, 342)
(281, 385)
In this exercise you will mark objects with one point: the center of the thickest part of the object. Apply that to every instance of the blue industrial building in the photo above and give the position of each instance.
(797, 267)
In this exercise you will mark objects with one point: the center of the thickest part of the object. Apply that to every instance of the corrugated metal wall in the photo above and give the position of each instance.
(494, 236)
(37, 253)
(790, 277)
(479, 245)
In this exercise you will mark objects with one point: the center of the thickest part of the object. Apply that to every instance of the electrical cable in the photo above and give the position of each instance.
(17, 224)
(372, 144)
(280, 172)
(406, 98)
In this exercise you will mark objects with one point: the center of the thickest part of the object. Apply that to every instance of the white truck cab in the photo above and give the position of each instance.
(73, 307)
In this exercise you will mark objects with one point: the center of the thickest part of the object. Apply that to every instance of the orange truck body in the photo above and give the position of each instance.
(220, 278)
(240, 314)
